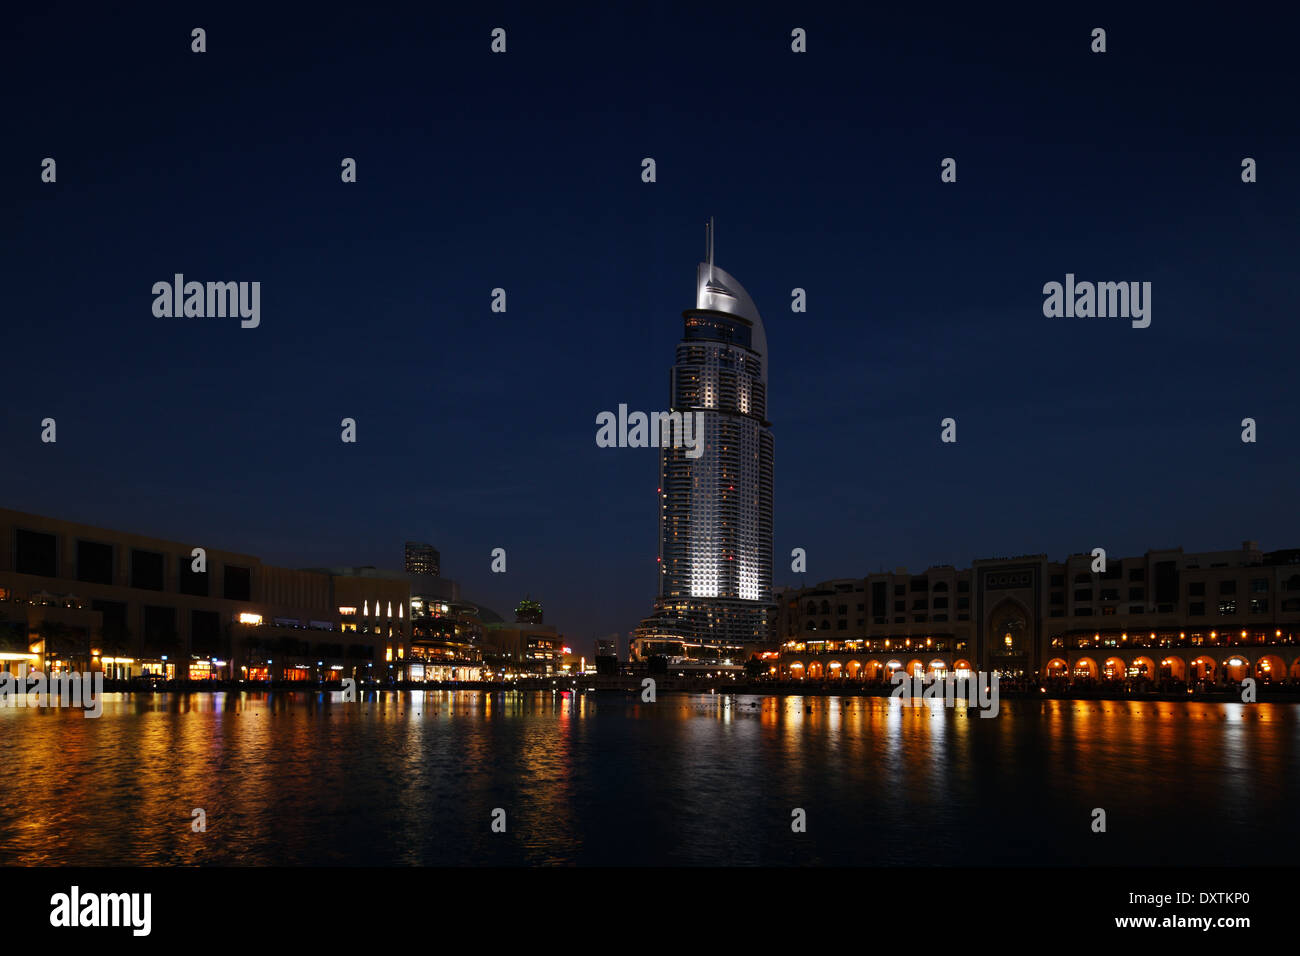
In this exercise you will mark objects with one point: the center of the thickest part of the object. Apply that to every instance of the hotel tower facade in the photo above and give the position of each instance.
(715, 510)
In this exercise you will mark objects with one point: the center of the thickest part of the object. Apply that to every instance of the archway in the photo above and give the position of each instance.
(1113, 669)
(937, 668)
(1142, 668)
(834, 670)
(1010, 632)
(961, 667)
(1204, 668)
(1173, 667)
(1270, 669)
(816, 671)
(872, 670)
(1057, 668)
(853, 670)
(915, 668)
(796, 670)
(1236, 669)
(1085, 668)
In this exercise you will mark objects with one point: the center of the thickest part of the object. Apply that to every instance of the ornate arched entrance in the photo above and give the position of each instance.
(1010, 635)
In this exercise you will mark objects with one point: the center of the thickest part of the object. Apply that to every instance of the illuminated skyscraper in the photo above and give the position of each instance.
(715, 519)
(422, 558)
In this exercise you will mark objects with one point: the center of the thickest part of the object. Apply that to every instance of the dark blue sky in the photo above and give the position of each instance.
(477, 430)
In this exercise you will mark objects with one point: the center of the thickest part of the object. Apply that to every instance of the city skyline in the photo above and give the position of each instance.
(311, 563)
(924, 298)
(1275, 602)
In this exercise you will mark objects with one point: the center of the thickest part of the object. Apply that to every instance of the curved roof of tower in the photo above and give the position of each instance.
(718, 290)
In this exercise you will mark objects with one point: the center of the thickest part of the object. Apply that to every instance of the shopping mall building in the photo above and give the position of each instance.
(1166, 615)
(78, 597)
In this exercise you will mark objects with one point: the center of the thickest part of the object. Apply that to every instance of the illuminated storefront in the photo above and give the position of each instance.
(202, 670)
(117, 668)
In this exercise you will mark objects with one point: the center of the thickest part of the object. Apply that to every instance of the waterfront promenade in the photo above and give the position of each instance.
(1010, 690)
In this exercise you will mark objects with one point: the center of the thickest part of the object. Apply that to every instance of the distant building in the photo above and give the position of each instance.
(445, 631)
(524, 650)
(80, 597)
(607, 656)
(1166, 615)
(528, 612)
(573, 663)
(422, 558)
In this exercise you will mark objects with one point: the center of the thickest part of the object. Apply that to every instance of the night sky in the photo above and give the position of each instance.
(476, 430)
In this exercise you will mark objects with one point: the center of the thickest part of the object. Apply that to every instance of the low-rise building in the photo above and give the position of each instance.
(524, 650)
(1165, 616)
(80, 597)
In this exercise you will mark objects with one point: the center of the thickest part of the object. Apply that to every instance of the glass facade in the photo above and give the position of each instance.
(715, 553)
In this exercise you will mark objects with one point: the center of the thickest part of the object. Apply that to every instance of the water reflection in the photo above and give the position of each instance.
(305, 778)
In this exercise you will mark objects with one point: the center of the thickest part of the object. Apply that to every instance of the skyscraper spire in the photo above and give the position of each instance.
(708, 237)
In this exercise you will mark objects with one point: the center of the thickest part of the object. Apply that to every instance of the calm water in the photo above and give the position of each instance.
(413, 779)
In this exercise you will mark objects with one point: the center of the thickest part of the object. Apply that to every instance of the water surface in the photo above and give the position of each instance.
(413, 778)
